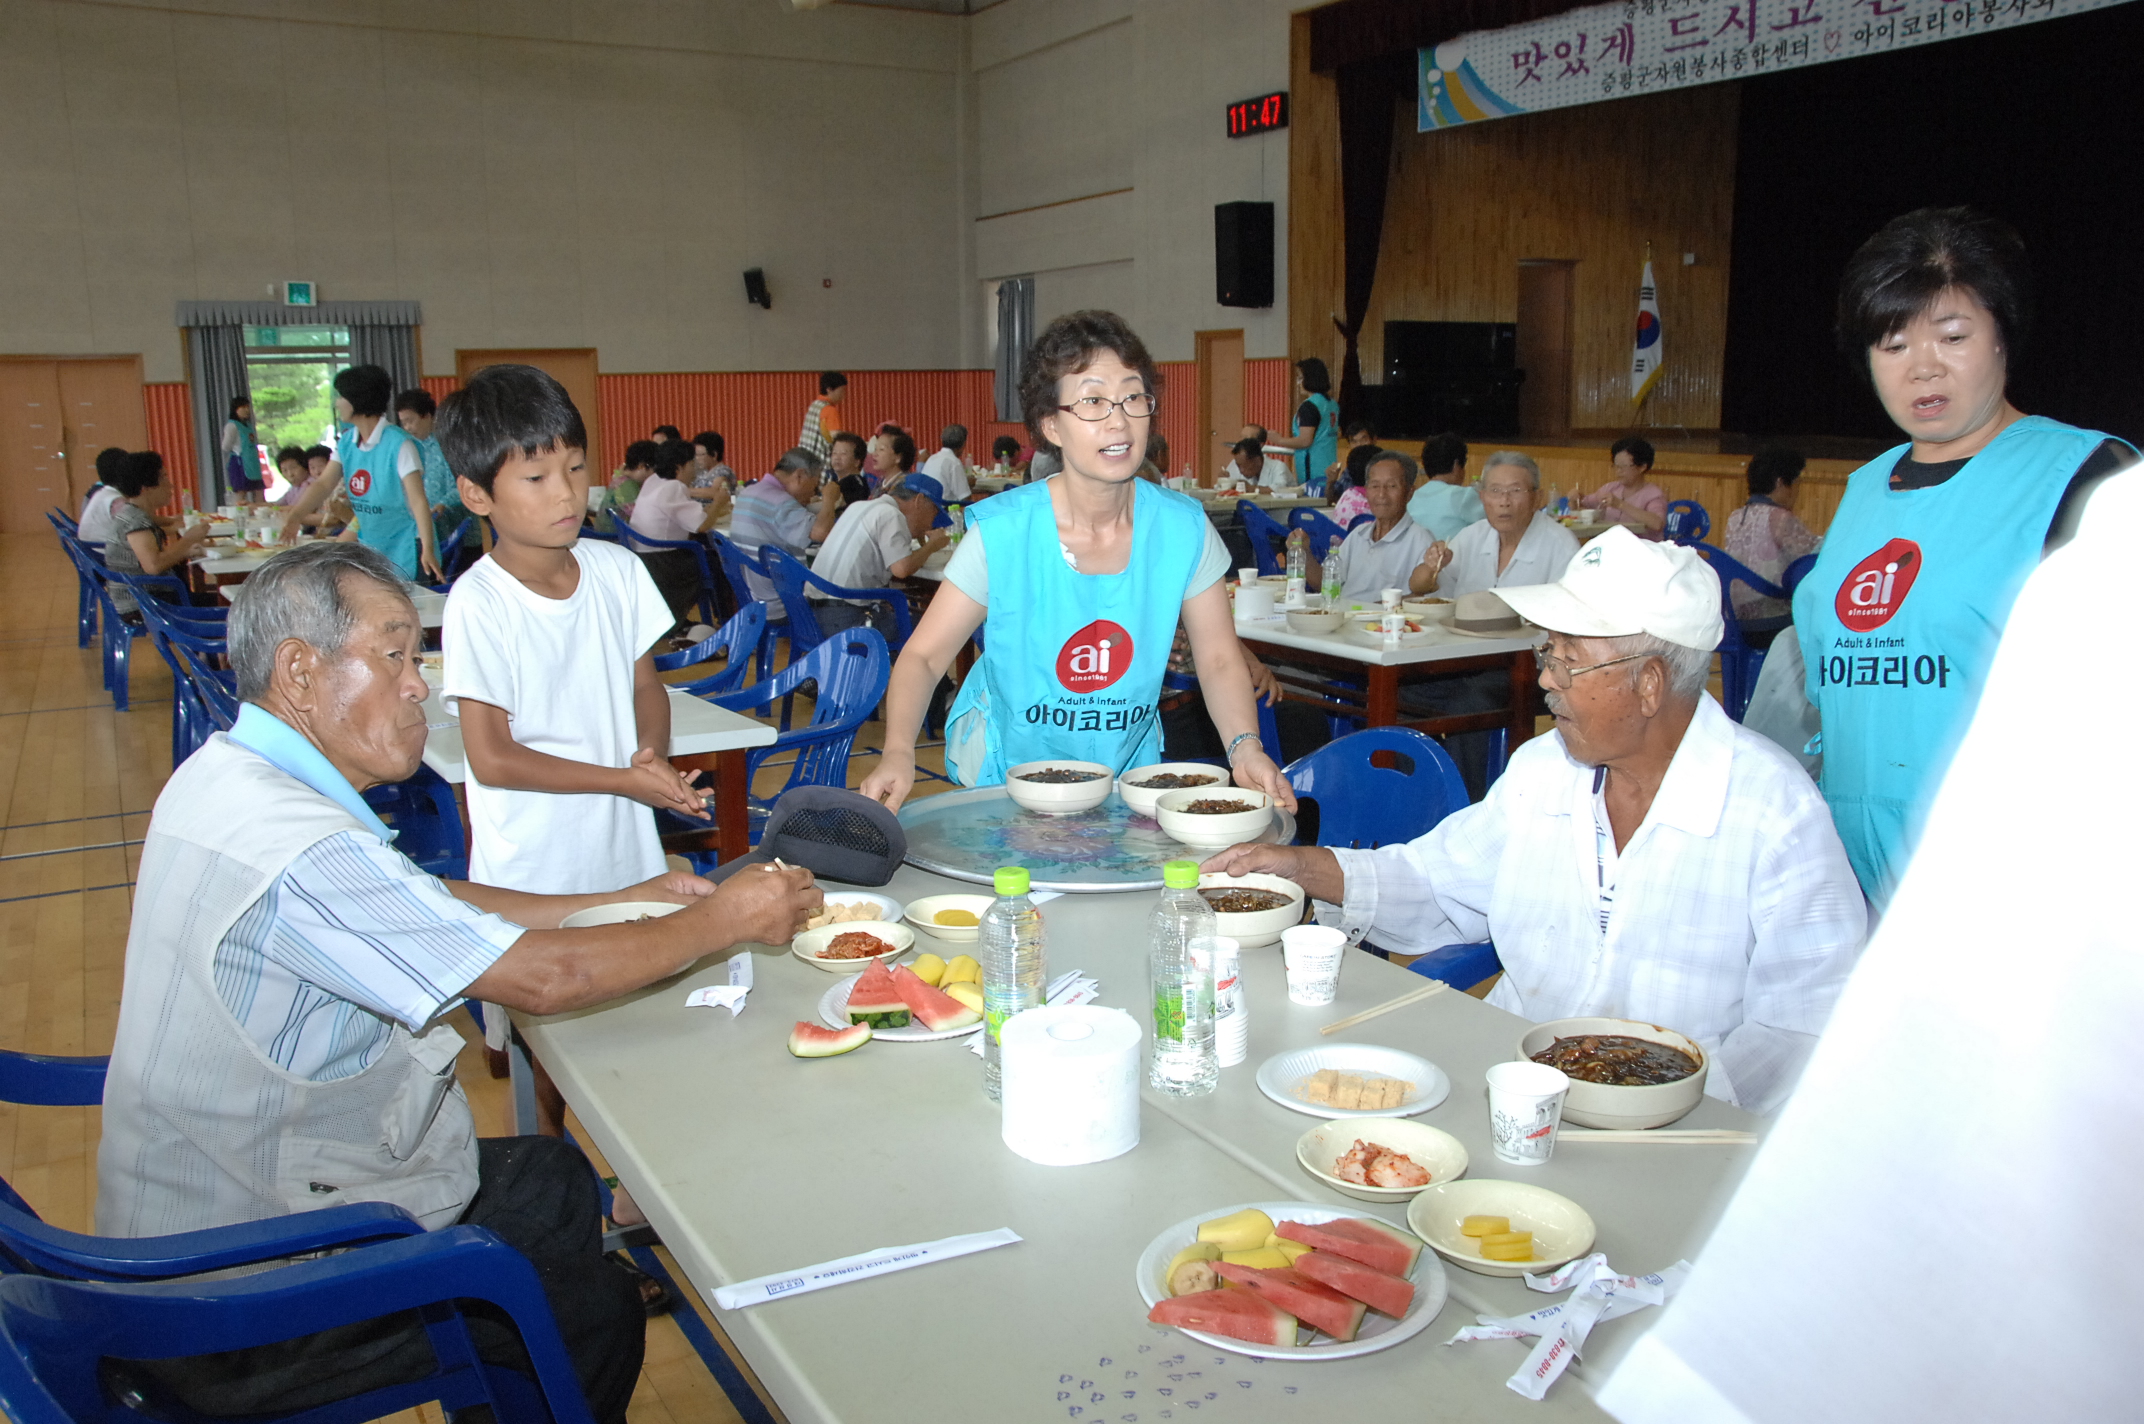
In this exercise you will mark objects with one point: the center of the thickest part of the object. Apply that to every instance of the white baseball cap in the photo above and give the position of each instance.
(1620, 585)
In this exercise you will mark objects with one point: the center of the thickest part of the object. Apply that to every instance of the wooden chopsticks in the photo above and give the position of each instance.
(1686, 1136)
(1412, 996)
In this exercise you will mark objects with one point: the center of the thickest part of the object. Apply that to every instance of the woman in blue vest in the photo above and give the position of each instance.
(381, 472)
(1901, 614)
(1081, 578)
(1316, 441)
(243, 473)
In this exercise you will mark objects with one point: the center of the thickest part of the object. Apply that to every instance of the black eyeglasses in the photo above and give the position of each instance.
(1139, 406)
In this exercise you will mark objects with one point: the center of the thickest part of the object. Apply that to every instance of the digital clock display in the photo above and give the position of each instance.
(1260, 115)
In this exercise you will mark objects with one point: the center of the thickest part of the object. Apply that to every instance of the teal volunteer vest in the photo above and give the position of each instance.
(1900, 616)
(375, 490)
(1311, 464)
(1072, 663)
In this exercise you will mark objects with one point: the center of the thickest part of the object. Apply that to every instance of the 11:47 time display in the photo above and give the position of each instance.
(1260, 115)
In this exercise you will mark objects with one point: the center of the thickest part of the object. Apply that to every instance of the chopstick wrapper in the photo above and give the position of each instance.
(855, 1268)
(729, 996)
(1599, 1294)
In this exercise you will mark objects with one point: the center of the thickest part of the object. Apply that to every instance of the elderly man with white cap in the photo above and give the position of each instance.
(1650, 860)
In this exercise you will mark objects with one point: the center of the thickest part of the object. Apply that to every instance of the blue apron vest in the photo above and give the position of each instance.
(1311, 464)
(1072, 663)
(1900, 616)
(242, 468)
(375, 492)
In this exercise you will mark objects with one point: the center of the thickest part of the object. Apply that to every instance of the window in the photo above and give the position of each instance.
(291, 371)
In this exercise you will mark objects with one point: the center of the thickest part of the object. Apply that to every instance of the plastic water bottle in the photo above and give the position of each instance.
(1556, 505)
(1298, 556)
(1180, 973)
(959, 525)
(1015, 963)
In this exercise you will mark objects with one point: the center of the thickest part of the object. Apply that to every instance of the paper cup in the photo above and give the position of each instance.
(1254, 600)
(1525, 1108)
(1247, 575)
(1391, 597)
(1589, 516)
(1312, 954)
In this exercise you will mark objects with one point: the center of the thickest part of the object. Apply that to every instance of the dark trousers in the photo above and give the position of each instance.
(1453, 695)
(538, 1194)
(677, 579)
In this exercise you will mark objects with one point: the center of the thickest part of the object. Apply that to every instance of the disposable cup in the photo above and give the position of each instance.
(1312, 954)
(1525, 1109)
(1391, 597)
(1254, 600)
(1589, 516)
(1249, 575)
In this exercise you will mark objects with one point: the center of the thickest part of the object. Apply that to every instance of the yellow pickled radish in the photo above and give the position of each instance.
(1507, 1238)
(966, 919)
(1484, 1225)
(1508, 1246)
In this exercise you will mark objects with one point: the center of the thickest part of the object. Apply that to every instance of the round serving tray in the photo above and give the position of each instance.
(967, 835)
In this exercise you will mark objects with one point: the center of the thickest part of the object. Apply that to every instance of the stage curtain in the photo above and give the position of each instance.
(216, 360)
(392, 347)
(1367, 92)
(1016, 332)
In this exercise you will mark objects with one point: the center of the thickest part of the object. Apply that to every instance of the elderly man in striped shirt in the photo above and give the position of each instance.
(281, 1043)
(1651, 860)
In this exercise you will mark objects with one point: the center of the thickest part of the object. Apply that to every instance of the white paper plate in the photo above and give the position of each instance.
(834, 1011)
(1563, 1231)
(1378, 1332)
(1280, 1073)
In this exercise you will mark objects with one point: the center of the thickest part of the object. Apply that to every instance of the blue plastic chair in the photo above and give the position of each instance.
(1322, 531)
(1268, 536)
(56, 1335)
(1378, 786)
(119, 633)
(639, 543)
(736, 638)
(455, 556)
(1361, 519)
(428, 824)
(735, 561)
(193, 645)
(1687, 521)
(86, 607)
(793, 580)
(1739, 660)
(851, 669)
(1460, 965)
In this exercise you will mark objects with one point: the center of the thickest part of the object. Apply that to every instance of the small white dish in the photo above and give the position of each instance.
(619, 913)
(922, 914)
(808, 943)
(1428, 610)
(1436, 1152)
(1307, 620)
(1213, 831)
(881, 907)
(1370, 630)
(1059, 798)
(1142, 798)
(1280, 1075)
(1562, 1229)
(1256, 929)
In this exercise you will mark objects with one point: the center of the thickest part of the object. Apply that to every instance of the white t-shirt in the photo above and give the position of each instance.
(969, 568)
(95, 526)
(664, 510)
(951, 472)
(866, 542)
(1366, 567)
(562, 668)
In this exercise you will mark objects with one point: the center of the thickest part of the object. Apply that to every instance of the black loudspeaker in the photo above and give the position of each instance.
(1243, 254)
(755, 283)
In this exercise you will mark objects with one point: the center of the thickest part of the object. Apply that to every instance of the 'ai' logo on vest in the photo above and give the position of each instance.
(1877, 586)
(1094, 657)
(360, 483)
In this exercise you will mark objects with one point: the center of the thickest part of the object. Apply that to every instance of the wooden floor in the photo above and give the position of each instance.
(77, 780)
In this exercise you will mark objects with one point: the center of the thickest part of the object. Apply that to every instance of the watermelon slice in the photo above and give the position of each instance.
(1387, 1294)
(935, 1011)
(1373, 1243)
(1238, 1314)
(811, 1041)
(1316, 1305)
(872, 999)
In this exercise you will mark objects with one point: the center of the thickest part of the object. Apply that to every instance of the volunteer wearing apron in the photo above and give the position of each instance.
(381, 471)
(1317, 425)
(1081, 578)
(1903, 610)
(243, 473)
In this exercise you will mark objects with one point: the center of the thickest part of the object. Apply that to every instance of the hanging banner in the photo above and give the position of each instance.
(1630, 47)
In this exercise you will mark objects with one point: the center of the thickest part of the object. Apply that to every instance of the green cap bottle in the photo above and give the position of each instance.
(1010, 880)
(1181, 875)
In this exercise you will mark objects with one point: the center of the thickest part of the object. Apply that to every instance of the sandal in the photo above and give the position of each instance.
(655, 1297)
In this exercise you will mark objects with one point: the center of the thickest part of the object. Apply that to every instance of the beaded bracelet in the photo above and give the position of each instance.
(1241, 738)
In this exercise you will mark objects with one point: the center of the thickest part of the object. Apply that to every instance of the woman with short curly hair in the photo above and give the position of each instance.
(1081, 579)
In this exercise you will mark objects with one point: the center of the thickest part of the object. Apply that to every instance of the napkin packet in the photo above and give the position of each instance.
(1597, 1294)
(730, 996)
(1070, 987)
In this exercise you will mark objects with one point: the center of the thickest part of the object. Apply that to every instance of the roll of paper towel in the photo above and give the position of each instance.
(1254, 600)
(1070, 1084)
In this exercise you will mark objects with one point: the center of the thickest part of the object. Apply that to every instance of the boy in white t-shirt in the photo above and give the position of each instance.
(549, 658)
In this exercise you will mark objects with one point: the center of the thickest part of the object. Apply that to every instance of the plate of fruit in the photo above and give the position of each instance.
(915, 1003)
(1292, 1281)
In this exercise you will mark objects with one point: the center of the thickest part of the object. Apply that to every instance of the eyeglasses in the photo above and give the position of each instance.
(1561, 672)
(1138, 405)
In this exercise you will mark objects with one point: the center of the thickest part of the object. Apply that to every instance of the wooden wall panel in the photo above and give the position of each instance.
(1714, 481)
(1268, 384)
(1591, 185)
(169, 410)
(1316, 238)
